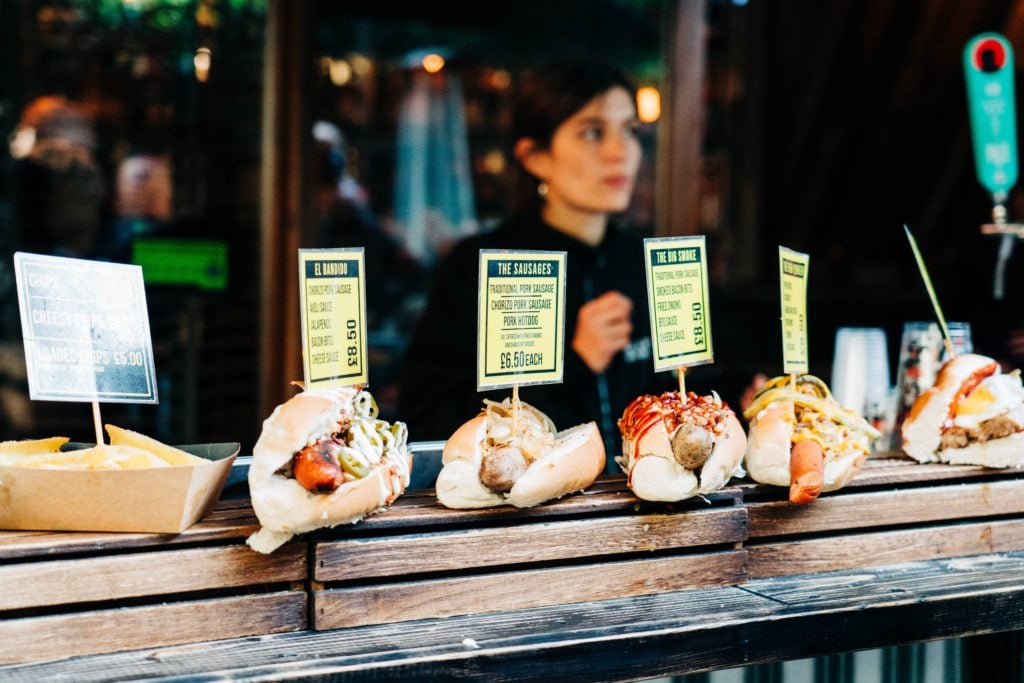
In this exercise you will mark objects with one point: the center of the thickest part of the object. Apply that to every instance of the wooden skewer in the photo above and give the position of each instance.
(515, 409)
(682, 382)
(97, 422)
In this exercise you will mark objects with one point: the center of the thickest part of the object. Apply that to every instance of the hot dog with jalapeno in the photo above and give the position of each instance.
(324, 459)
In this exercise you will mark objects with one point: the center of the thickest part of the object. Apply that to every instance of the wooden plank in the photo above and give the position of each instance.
(898, 469)
(345, 607)
(854, 510)
(607, 496)
(674, 633)
(114, 577)
(863, 550)
(369, 646)
(234, 519)
(890, 469)
(550, 541)
(918, 581)
(230, 520)
(42, 638)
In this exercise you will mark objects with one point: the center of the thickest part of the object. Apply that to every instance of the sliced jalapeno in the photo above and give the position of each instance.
(352, 463)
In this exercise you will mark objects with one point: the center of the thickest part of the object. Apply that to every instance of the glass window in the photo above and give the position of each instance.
(411, 109)
(137, 123)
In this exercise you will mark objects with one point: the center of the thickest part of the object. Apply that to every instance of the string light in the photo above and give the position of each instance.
(202, 62)
(433, 63)
(648, 104)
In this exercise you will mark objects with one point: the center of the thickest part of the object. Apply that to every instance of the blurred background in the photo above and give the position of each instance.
(208, 139)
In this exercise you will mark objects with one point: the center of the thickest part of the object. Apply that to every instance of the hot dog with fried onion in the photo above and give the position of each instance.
(801, 438)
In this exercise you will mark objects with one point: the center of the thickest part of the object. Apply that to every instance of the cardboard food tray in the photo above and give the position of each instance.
(155, 500)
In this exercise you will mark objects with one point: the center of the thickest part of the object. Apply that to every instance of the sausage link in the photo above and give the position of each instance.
(806, 472)
(316, 471)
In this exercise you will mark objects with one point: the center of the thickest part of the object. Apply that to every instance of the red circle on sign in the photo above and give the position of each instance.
(990, 45)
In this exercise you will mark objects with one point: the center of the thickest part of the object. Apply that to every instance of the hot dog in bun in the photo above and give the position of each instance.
(324, 459)
(495, 460)
(973, 415)
(675, 447)
(802, 438)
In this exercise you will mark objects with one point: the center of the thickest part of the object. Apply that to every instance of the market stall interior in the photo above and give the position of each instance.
(208, 140)
(815, 129)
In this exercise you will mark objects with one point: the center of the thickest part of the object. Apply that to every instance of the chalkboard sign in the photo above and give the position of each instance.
(86, 330)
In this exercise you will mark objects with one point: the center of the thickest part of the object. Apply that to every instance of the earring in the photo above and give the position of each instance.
(542, 190)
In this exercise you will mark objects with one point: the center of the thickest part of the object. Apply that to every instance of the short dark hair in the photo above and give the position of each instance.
(546, 97)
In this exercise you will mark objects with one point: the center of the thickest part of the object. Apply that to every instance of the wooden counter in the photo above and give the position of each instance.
(422, 560)
(766, 620)
(71, 593)
(895, 510)
(421, 590)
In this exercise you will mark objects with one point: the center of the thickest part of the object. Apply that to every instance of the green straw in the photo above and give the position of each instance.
(931, 292)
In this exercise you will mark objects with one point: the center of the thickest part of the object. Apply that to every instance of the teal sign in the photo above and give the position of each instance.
(988, 65)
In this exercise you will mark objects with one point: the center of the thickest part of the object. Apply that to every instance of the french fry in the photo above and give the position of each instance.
(127, 450)
(169, 454)
(33, 446)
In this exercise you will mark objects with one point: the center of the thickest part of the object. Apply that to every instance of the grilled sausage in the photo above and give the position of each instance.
(500, 468)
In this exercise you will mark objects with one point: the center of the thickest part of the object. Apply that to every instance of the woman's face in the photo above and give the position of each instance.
(594, 155)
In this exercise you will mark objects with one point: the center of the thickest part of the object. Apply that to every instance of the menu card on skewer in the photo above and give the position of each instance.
(86, 330)
(793, 267)
(521, 318)
(677, 300)
(332, 290)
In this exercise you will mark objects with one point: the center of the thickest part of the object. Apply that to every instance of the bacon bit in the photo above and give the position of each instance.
(644, 412)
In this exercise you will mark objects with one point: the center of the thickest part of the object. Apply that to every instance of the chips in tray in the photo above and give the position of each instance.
(127, 450)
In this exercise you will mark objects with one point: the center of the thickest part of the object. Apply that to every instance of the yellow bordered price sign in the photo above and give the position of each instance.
(793, 270)
(332, 292)
(86, 330)
(677, 299)
(521, 318)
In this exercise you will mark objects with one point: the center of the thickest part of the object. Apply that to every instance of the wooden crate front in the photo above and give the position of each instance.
(420, 560)
(74, 593)
(895, 510)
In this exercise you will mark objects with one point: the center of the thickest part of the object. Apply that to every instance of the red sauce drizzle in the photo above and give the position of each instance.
(671, 409)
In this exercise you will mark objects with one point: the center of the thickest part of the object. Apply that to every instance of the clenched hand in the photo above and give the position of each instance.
(603, 329)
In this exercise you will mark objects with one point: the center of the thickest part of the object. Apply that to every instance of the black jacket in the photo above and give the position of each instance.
(438, 390)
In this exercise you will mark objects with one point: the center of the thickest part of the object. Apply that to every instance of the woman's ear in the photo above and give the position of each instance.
(532, 157)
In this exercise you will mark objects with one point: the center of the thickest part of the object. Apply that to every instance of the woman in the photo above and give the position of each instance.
(575, 131)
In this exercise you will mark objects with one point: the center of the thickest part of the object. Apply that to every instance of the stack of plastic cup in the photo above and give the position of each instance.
(860, 367)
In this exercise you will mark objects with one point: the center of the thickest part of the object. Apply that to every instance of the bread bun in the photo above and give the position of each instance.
(284, 507)
(769, 443)
(654, 471)
(575, 460)
(562, 462)
(935, 411)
